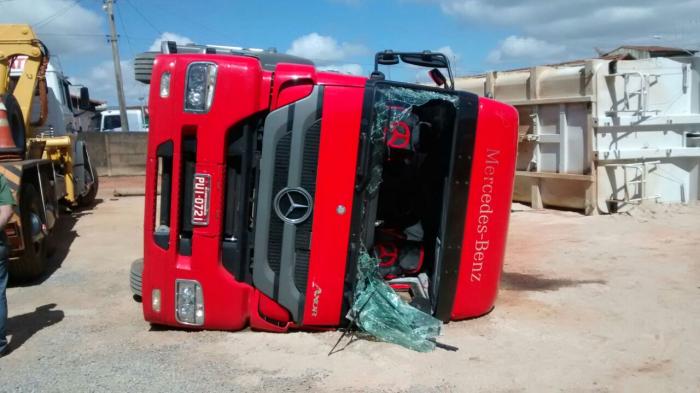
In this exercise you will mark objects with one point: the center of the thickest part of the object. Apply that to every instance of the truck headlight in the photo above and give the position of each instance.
(199, 89)
(165, 85)
(189, 304)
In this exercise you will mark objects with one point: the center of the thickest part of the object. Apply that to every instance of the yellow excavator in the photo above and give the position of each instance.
(43, 164)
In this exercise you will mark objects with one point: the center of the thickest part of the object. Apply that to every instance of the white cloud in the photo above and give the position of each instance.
(101, 82)
(167, 36)
(452, 56)
(64, 26)
(324, 49)
(524, 48)
(76, 34)
(352, 69)
(577, 27)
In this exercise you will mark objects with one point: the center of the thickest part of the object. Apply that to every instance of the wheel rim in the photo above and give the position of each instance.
(38, 228)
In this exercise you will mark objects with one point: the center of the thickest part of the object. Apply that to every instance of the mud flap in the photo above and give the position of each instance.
(79, 167)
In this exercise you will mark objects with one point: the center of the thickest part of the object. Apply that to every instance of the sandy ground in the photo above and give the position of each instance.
(589, 304)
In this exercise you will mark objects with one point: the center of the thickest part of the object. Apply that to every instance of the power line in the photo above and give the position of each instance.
(55, 15)
(93, 35)
(71, 34)
(128, 40)
(169, 8)
(144, 17)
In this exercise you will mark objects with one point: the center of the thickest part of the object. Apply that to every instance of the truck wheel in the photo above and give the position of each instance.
(89, 197)
(33, 261)
(135, 278)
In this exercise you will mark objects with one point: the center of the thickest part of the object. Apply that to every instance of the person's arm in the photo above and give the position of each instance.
(6, 202)
(5, 214)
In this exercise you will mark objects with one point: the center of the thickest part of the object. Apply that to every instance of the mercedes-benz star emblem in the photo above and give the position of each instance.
(293, 205)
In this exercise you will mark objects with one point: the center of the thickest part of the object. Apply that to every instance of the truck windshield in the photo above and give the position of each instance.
(111, 122)
(409, 181)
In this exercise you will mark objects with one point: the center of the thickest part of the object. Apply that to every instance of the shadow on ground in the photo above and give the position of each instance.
(62, 238)
(535, 282)
(23, 327)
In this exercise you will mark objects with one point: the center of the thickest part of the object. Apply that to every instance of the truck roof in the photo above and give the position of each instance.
(268, 58)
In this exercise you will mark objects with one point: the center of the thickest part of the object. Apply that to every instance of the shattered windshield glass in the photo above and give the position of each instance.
(393, 104)
(377, 309)
(380, 312)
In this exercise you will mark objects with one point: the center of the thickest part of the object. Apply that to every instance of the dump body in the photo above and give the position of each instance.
(268, 196)
(603, 135)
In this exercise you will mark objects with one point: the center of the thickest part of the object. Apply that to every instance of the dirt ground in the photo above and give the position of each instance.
(606, 303)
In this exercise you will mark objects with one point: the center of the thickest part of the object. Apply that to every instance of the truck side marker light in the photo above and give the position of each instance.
(165, 85)
(155, 300)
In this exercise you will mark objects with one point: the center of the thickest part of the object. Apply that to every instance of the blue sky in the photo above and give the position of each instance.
(478, 35)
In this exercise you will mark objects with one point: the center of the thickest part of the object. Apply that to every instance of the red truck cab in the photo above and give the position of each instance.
(274, 177)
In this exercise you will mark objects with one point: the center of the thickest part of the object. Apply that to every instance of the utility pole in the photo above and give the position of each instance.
(108, 6)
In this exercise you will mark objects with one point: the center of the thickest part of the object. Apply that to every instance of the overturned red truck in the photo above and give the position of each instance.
(274, 177)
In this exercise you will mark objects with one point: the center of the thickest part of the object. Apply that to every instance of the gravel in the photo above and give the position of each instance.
(598, 304)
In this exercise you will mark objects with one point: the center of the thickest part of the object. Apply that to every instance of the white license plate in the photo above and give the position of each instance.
(201, 186)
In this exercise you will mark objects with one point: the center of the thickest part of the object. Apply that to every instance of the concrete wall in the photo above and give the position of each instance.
(117, 153)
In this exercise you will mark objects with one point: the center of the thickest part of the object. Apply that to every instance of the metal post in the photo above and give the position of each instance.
(109, 8)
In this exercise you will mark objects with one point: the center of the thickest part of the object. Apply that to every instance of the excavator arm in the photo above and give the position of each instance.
(20, 42)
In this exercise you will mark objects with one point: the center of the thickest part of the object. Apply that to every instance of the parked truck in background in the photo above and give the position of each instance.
(40, 156)
(110, 120)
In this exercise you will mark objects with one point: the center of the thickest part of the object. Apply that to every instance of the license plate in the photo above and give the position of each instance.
(200, 198)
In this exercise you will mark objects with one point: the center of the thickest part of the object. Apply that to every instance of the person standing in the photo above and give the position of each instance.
(6, 203)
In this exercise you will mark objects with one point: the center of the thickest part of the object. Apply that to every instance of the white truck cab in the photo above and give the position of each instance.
(111, 120)
(61, 113)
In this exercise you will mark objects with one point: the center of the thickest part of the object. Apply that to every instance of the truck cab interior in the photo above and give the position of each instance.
(418, 143)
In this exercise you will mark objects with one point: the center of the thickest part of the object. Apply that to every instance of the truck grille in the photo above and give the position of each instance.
(312, 140)
(291, 140)
(279, 181)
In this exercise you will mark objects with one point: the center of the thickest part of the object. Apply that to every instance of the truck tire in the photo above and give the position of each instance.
(33, 261)
(89, 197)
(135, 278)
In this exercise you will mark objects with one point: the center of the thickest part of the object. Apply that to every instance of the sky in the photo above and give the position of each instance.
(477, 35)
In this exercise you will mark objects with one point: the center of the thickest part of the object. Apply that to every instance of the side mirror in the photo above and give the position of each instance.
(84, 102)
(387, 58)
(437, 77)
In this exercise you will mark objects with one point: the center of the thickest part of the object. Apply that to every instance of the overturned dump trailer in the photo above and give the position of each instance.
(603, 135)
